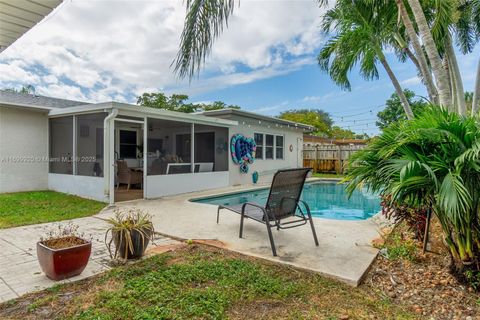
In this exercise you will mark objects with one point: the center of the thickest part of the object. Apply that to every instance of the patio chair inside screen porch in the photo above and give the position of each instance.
(128, 176)
(282, 210)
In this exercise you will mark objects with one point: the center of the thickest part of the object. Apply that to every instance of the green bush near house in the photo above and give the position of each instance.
(24, 208)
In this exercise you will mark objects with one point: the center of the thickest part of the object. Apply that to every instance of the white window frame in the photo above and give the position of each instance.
(263, 145)
(282, 146)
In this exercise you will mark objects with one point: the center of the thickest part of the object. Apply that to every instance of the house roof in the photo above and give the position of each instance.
(253, 115)
(59, 107)
(133, 110)
(12, 98)
(19, 16)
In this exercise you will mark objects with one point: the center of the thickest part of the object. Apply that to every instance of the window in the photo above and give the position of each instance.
(278, 147)
(268, 146)
(128, 144)
(259, 141)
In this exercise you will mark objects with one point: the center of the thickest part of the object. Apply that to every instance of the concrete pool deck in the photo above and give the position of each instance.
(345, 251)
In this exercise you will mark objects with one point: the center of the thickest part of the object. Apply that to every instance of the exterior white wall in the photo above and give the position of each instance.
(266, 168)
(23, 150)
(83, 186)
(164, 185)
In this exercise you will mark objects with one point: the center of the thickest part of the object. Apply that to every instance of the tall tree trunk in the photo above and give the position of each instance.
(453, 87)
(417, 47)
(476, 92)
(404, 46)
(415, 62)
(445, 97)
(457, 83)
(396, 84)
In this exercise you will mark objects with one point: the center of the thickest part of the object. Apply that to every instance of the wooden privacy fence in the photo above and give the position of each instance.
(328, 158)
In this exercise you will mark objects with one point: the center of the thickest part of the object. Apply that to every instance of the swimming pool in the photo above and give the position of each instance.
(326, 200)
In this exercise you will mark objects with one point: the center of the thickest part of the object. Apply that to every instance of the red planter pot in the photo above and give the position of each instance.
(59, 264)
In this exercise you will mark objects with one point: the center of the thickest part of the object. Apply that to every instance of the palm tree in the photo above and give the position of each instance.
(448, 18)
(468, 96)
(432, 161)
(206, 19)
(476, 90)
(204, 22)
(439, 72)
(422, 65)
(362, 30)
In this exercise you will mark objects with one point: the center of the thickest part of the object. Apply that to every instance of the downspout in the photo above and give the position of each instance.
(106, 153)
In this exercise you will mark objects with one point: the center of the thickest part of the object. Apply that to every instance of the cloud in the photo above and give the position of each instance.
(323, 99)
(278, 107)
(226, 80)
(115, 52)
(69, 92)
(16, 72)
(411, 81)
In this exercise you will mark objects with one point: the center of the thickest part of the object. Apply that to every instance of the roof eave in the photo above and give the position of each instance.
(259, 116)
(25, 106)
(20, 16)
(138, 111)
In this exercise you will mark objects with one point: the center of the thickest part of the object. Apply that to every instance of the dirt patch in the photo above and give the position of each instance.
(259, 310)
(211, 242)
(164, 248)
(56, 301)
(423, 283)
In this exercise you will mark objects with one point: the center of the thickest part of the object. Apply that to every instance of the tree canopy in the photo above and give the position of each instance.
(178, 102)
(322, 122)
(394, 110)
(26, 89)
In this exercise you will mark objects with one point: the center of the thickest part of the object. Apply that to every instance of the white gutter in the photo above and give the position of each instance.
(106, 153)
(25, 106)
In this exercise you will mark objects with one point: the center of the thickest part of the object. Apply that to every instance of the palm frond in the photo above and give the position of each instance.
(204, 22)
(453, 197)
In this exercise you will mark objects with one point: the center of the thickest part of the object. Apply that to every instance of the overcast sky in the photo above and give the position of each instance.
(99, 50)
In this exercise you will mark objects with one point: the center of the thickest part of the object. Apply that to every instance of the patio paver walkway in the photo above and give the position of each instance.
(20, 272)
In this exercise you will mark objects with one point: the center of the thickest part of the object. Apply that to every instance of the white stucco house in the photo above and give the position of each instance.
(76, 147)
(88, 149)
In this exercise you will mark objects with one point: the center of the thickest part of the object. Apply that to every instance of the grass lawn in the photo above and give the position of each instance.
(23, 208)
(328, 175)
(201, 282)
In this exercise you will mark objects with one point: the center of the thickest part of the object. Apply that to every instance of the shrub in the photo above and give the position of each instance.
(431, 161)
(414, 217)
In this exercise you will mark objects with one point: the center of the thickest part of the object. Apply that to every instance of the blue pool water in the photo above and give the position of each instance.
(326, 200)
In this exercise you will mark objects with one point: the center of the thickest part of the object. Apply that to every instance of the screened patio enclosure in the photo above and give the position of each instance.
(101, 151)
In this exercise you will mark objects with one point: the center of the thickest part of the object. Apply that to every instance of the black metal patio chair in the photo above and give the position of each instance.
(282, 210)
